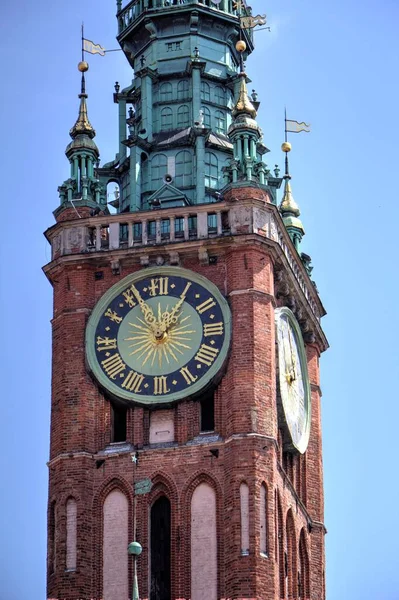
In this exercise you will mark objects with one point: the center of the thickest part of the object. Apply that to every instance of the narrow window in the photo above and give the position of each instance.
(205, 91)
(159, 166)
(212, 223)
(51, 539)
(165, 91)
(179, 227)
(211, 170)
(204, 537)
(71, 531)
(183, 90)
(184, 169)
(137, 232)
(220, 122)
(118, 423)
(244, 505)
(207, 116)
(183, 116)
(192, 225)
(114, 544)
(166, 118)
(208, 412)
(263, 519)
(219, 95)
(160, 554)
(152, 229)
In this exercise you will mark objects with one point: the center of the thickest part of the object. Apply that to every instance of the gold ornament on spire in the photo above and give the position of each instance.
(82, 125)
(244, 104)
(289, 208)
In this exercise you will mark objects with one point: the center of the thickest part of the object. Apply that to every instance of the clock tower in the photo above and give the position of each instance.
(186, 336)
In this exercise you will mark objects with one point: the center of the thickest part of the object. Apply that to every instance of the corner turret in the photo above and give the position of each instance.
(83, 188)
(289, 208)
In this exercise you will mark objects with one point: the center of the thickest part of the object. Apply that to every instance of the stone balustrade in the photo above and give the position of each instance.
(171, 226)
(134, 9)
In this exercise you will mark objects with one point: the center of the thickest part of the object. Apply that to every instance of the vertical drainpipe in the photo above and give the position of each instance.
(146, 105)
(133, 176)
(196, 79)
(200, 152)
(122, 130)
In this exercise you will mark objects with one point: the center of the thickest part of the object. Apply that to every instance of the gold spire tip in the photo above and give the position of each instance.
(83, 66)
(241, 46)
(286, 147)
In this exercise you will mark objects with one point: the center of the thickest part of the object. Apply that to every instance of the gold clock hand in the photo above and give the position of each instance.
(293, 362)
(172, 316)
(147, 311)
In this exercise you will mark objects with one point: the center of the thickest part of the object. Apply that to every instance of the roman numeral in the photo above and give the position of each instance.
(106, 343)
(129, 298)
(188, 376)
(213, 329)
(160, 385)
(113, 366)
(208, 304)
(113, 316)
(206, 354)
(183, 295)
(159, 286)
(133, 382)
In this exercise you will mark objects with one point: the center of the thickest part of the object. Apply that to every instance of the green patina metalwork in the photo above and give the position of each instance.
(180, 121)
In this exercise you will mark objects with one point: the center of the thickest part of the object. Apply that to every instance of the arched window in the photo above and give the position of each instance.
(166, 118)
(220, 122)
(281, 547)
(263, 520)
(115, 542)
(244, 505)
(183, 90)
(207, 116)
(220, 96)
(52, 538)
(183, 116)
(71, 533)
(159, 166)
(292, 572)
(160, 549)
(304, 574)
(205, 91)
(204, 537)
(165, 92)
(211, 170)
(184, 169)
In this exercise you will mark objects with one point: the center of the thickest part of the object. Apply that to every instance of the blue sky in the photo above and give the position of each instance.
(333, 64)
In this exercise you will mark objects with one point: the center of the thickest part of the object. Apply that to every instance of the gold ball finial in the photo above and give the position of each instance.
(241, 46)
(83, 66)
(286, 147)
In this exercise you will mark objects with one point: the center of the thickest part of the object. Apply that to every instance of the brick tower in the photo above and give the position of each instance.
(186, 337)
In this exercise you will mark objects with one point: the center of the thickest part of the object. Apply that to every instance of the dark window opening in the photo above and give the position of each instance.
(160, 550)
(208, 412)
(119, 414)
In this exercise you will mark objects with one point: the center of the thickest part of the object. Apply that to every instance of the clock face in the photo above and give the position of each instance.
(159, 335)
(293, 378)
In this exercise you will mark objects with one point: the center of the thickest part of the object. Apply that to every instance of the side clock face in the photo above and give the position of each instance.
(293, 378)
(158, 335)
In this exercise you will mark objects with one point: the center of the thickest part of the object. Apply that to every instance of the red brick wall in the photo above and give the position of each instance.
(248, 450)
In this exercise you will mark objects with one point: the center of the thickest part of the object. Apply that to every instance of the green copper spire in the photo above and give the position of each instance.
(83, 187)
(289, 208)
(82, 125)
(245, 134)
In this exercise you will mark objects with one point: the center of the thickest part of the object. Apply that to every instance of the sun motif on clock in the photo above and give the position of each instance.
(158, 335)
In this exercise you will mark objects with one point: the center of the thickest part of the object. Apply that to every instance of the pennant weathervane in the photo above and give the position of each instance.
(292, 126)
(91, 48)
